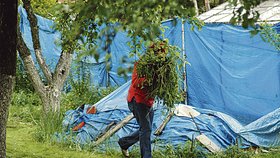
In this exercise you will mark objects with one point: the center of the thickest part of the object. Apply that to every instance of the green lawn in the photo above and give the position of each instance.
(20, 144)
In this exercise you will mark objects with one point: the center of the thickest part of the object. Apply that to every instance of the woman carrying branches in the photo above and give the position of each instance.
(153, 75)
(140, 104)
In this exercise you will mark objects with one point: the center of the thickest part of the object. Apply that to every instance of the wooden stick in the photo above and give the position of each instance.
(163, 124)
(195, 124)
(211, 146)
(203, 139)
(114, 130)
(108, 127)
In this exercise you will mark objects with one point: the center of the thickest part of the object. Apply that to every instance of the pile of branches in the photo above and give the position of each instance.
(160, 65)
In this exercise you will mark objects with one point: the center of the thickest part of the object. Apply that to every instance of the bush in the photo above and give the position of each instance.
(22, 81)
(25, 107)
(82, 91)
(74, 98)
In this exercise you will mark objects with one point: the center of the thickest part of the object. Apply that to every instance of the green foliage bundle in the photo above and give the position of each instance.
(160, 66)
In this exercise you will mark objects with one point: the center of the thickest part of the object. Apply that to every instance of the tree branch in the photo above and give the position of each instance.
(36, 41)
(25, 55)
(62, 69)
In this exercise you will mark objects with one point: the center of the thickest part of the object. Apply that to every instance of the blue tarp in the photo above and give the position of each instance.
(233, 81)
(232, 72)
(221, 128)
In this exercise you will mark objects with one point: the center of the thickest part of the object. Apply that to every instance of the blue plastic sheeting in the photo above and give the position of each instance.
(265, 130)
(232, 72)
(179, 130)
(222, 129)
(233, 80)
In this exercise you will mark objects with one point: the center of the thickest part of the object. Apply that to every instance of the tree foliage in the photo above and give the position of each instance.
(270, 35)
(84, 22)
(44, 8)
(139, 18)
(244, 14)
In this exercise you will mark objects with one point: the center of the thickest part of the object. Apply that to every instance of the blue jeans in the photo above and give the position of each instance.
(144, 116)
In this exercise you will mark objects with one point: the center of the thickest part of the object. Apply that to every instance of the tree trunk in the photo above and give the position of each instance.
(207, 5)
(8, 23)
(51, 99)
(6, 84)
(50, 93)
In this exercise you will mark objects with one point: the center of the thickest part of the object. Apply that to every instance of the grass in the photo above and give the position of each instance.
(20, 144)
(233, 152)
(28, 137)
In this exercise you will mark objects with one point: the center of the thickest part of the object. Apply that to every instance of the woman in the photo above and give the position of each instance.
(141, 107)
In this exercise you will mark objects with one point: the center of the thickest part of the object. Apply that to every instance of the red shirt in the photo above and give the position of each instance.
(137, 91)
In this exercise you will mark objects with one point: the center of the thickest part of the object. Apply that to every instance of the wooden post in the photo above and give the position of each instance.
(184, 56)
(114, 130)
(164, 123)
